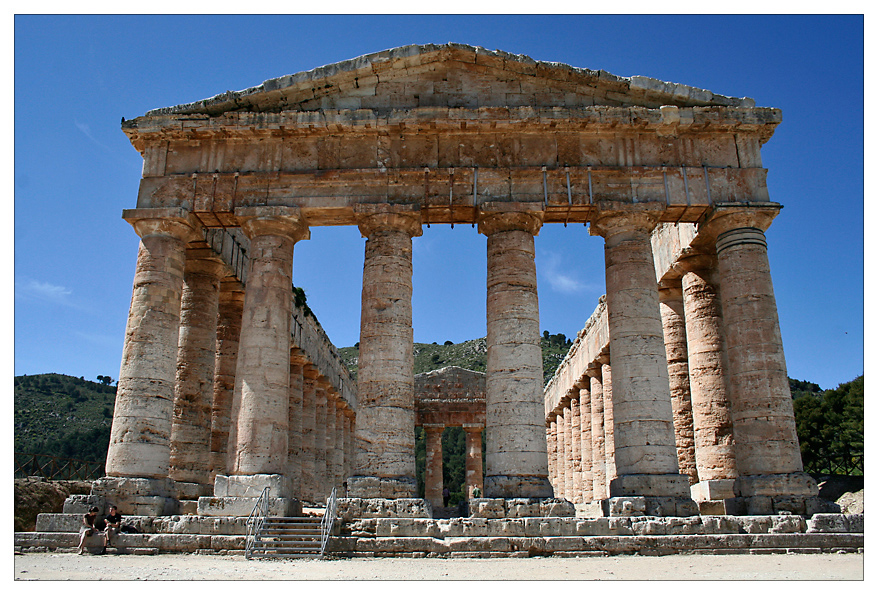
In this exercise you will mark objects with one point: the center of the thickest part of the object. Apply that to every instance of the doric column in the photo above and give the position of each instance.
(321, 477)
(598, 453)
(141, 430)
(309, 418)
(196, 360)
(340, 438)
(294, 446)
(609, 433)
(517, 462)
(385, 431)
(331, 441)
(568, 449)
(674, 326)
(473, 460)
(708, 371)
(575, 448)
(262, 386)
(645, 451)
(563, 438)
(552, 452)
(585, 440)
(768, 458)
(433, 465)
(350, 426)
(228, 334)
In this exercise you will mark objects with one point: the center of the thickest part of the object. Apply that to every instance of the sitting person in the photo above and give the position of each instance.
(114, 523)
(88, 528)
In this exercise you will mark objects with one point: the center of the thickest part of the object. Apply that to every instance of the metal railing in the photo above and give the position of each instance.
(27, 464)
(328, 521)
(255, 522)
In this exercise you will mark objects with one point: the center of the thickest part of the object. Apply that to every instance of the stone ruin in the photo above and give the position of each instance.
(673, 401)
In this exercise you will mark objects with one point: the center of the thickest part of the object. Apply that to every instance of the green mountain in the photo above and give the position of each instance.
(471, 355)
(63, 416)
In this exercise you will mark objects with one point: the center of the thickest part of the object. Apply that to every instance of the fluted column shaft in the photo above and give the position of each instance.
(516, 459)
(320, 452)
(563, 438)
(385, 431)
(576, 448)
(568, 450)
(768, 458)
(262, 387)
(598, 456)
(295, 424)
(609, 420)
(196, 360)
(141, 430)
(586, 466)
(331, 439)
(309, 419)
(643, 420)
(676, 348)
(552, 452)
(228, 334)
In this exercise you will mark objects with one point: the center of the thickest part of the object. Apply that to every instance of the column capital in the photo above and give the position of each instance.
(286, 222)
(298, 357)
(691, 260)
(176, 222)
(203, 262)
(614, 218)
(725, 217)
(495, 217)
(433, 427)
(375, 218)
(310, 372)
(670, 293)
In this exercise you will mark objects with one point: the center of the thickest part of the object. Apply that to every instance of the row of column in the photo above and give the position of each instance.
(433, 481)
(700, 394)
(210, 383)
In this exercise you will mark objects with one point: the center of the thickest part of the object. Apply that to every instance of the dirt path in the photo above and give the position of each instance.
(680, 567)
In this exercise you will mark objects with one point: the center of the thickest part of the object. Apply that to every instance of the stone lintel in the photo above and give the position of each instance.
(280, 221)
(173, 221)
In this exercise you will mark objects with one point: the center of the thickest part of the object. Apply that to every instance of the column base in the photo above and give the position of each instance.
(365, 486)
(251, 486)
(664, 506)
(138, 496)
(517, 486)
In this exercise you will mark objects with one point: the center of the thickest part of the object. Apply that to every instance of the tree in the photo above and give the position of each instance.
(830, 428)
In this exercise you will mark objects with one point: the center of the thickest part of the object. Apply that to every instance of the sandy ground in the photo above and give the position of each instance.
(186, 567)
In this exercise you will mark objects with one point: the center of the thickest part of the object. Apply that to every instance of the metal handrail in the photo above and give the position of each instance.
(328, 521)
(255, 522)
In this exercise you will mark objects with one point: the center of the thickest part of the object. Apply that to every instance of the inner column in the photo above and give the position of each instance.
(473, 460)
(433, 465)
(385, 429)
(645, 452)
(516, 460)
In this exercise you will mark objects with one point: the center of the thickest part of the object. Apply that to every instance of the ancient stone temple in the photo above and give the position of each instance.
(227, 387)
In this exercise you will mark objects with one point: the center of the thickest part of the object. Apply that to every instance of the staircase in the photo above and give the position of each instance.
(288, 537)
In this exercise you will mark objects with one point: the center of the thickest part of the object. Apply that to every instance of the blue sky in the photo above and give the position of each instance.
(77, 76)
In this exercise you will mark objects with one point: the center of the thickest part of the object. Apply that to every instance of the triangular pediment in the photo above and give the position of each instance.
(450, 75)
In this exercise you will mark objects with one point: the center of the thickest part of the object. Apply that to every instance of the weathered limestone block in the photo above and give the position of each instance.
(461, 527)
(406, 527)
(138, 496)
(242, 506)
(367, 508)
(628, 506)
(556, 507)
(488, 508)
(81, 503)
